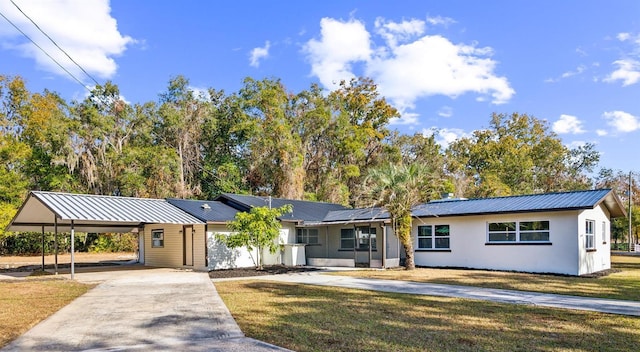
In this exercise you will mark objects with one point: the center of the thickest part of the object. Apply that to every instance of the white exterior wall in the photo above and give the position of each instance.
(219, 256)
(600, 258)
(469, 248)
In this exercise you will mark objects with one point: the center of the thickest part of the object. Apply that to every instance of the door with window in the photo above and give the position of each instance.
(187, 245)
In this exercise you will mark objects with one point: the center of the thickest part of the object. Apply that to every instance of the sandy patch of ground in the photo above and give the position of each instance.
(13, 262)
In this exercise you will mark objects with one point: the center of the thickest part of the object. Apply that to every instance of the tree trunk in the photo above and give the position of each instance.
(404, 234)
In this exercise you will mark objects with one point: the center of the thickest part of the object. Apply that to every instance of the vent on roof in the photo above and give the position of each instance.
(205, 206)
(446, 197)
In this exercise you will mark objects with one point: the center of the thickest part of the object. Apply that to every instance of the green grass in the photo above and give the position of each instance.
(24, 303)
(312, 318)
(623, 283)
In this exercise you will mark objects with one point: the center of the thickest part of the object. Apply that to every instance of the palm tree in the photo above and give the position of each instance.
(398, 188)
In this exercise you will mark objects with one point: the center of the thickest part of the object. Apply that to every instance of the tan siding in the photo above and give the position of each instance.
(199, 256)
(171, 254)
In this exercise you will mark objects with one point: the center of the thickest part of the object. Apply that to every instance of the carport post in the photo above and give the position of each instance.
(72, 250)
(42, 247)
(55, 227)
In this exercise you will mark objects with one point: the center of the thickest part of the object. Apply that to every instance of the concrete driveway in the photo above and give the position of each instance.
(142, 310)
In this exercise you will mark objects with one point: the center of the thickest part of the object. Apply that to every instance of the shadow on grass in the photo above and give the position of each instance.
(311, 318)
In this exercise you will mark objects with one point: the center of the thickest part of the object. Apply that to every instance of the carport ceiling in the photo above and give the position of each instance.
(93, 213)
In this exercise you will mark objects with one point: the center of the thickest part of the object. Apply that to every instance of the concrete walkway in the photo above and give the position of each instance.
(141, 310)
(487, 294)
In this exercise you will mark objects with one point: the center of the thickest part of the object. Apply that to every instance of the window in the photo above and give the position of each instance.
(308, 236)
(502, 232)
(364, 235)
(589, 231)
(519, 232)
(534, 231)
(347, 239)
(433, 237)
(425, 237)
(157, 238)
(359, 235)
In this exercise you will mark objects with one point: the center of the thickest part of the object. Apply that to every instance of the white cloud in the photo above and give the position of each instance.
(258, 54)
(84, 29)
(601, 133)
(576, 144)
(445, 136)
(579, 70)
(568, 124)
(628, 72)
(433, 65)
(445, 111)
(409, 66)
(623, 36)
(340, 45)
(440, 21)
(622, 121)
(394, 32)
(406, 118)
(628, 66)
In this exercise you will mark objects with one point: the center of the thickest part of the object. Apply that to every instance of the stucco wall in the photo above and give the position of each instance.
(469, 248)
(222, 257)
(600, 258)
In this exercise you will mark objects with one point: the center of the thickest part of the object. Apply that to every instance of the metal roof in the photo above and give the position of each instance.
(302, 210)
(574, 200)
(94, 213)
(354, 215)
(206, 210)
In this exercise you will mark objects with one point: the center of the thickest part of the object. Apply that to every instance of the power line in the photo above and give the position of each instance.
(56, 44)
(45, 52)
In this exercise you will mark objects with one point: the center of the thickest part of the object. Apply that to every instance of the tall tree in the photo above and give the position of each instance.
(398, 188)
(180, 118)
(519, 154)
(226, 134)
(276, 150)
(358, 128)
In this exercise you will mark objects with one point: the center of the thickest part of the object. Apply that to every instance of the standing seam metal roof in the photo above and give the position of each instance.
(216, 211)
(113, 209)
(302, 209)
(513, 204)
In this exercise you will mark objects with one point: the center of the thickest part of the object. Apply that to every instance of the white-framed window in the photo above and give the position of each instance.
(534, 231)
(157, 238)
(347, 238)
(502, 231)
(604, 232)
(589, 234)
(518, 231)
(308, 236)
(434, 237)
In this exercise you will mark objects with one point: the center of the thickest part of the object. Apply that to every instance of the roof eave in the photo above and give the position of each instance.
(613, 203)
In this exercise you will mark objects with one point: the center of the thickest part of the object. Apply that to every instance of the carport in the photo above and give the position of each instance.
(55, 212)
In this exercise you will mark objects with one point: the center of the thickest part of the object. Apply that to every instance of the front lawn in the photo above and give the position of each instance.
(24, 303)
(313, 318)
(623, 283)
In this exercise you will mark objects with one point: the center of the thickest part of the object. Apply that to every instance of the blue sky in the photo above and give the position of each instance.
(445, 65)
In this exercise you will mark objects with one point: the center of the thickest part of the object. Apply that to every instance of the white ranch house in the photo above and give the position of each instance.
(563, 233)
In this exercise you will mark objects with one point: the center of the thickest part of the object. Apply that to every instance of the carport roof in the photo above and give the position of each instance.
(94, 213)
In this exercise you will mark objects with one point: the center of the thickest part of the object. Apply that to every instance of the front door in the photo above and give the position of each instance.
(187, 245)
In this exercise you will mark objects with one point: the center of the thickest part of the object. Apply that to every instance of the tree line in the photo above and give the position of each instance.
(263, 139)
